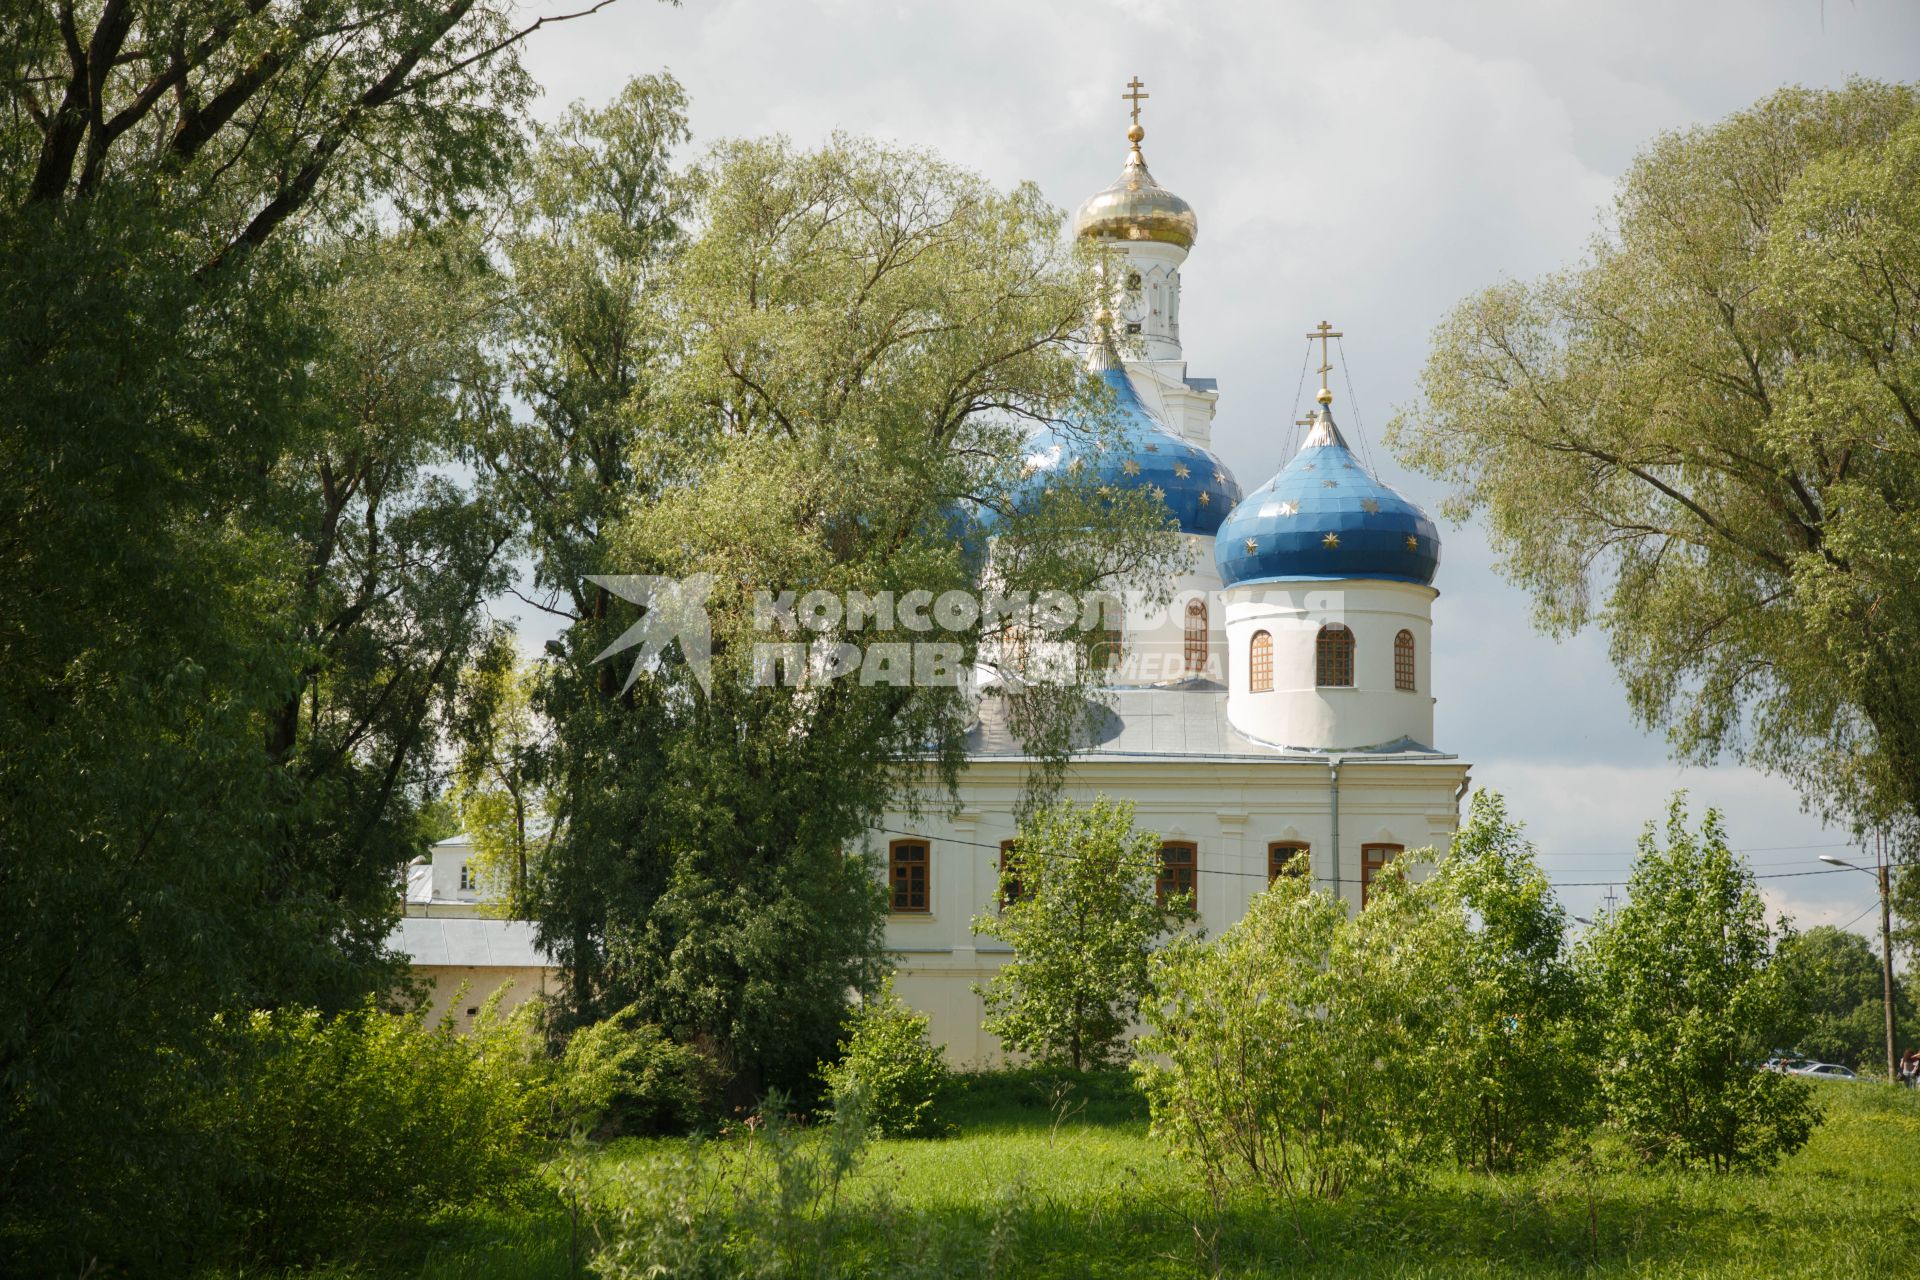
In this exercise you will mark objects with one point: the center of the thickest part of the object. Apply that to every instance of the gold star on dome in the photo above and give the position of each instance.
(1180, 469)
(1289, 508)
(1252, 546)
(1153, 448)
(1206, 499)
(1157, 492)
(1330, 484)
(1308, 467)
(1220, 478)
(1331, 541)
(1131, 467)
(1413, 543)
(1369, 506)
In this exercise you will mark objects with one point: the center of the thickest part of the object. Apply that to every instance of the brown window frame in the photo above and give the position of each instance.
(1333, 657)
(1260, 662)
(1178, 877)
(1194, 638)
(1297, 861)
(1011, 890)
(900, 878)
(1403, 674)
(1369, 865)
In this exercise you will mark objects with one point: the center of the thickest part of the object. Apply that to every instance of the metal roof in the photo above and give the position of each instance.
(1181, 720)
(468, 942)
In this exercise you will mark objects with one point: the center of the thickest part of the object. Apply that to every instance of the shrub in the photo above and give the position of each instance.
(343, 1127)
(1684, 981)
(896, 1070)
(623, 1076)
(1269, 1058)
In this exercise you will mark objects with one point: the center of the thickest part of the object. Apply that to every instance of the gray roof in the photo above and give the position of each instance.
(1202, 384)
(469, 942)
(1183, 720)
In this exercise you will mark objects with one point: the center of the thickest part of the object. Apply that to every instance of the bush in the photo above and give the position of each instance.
(1684, 981)
(623, 1076)
(344, 1127)
(889, 1060)
(1282, 1054)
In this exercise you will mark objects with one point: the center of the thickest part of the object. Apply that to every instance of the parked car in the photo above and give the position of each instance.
(1823, 1071)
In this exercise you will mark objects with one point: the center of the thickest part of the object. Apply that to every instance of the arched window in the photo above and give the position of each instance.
(1260, 663)
(1403, 661)
(1196, 637)
(1333, 657)
(907, 875)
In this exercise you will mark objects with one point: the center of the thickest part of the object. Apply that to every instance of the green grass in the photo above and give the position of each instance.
(1084, 1191)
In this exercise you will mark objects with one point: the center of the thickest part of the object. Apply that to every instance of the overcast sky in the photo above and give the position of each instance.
(1367, 163)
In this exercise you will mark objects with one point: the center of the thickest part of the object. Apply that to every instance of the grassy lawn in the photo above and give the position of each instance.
(1019, 1190)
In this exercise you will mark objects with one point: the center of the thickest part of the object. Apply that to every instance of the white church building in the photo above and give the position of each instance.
(1277, 719)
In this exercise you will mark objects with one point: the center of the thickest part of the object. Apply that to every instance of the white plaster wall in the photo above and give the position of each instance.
(1155, 305)
(1155, 635)
(1231, 808)
(1296, 713)
(455, 989)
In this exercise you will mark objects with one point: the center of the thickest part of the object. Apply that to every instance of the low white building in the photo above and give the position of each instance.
(459, 944)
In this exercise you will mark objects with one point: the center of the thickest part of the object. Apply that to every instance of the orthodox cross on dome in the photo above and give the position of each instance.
(1324, 332)
(1133, 95)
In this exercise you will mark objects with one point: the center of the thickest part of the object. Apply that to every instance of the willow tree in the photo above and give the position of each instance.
(854, 340)
(1705, 439)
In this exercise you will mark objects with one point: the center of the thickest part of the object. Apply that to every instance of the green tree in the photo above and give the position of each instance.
(500, 785)
(1837, 1002)
(1083, 915)
(1510, 1073)
(848, 349)
(233, 603)
(1706, 438)
(1687, 992)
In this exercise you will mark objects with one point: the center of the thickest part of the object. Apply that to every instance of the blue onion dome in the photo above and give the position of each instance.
(1326, 516)
(1143, 453)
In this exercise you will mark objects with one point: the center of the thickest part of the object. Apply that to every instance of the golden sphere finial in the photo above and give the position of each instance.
(1135, 133)
(1325, 396)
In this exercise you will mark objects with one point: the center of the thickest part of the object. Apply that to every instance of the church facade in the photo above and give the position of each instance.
(1277, 719)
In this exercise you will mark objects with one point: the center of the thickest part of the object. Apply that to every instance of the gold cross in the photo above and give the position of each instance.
(1324, 331)
(1135, 96)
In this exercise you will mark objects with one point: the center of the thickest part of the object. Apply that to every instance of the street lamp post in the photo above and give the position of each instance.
(1886, 939)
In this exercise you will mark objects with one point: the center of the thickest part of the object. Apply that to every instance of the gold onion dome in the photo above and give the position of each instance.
(1136, 207)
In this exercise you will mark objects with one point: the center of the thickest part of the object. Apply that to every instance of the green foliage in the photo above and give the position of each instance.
(1509, 1077)
(896, 1071)
(1836, 999)
(339, 1131)
(623, 1076)
(1287, 1053)
(500, 789)
(1704, 438)
(1310, 1050)
(1683, 981)
(238, 578)
(1083, 926)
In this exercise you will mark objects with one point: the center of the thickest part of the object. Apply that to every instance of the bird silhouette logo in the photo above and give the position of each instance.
(675, 611)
